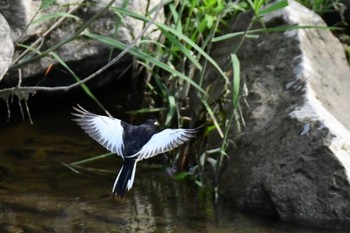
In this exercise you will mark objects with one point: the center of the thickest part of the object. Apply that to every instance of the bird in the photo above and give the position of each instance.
(132, 142)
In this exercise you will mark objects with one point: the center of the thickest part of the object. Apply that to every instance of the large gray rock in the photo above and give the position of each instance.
(82, 54)
(18, 14)
(292, 159)
(6, 45)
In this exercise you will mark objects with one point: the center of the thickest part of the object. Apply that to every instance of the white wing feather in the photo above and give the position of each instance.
(105, 130)
(163, 141)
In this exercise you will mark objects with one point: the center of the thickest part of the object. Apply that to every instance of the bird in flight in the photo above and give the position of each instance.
(133, 143)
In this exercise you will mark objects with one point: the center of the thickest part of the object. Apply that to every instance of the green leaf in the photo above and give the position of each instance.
(236, 79)
(199, 183)
(54, 15)
(212, 162)
(91, 159)
(274, 7)
(142, 55)
(176, 17)
(210, 20)
(183, 49)
(177, 34)
(202, 159)
(172, 109)
(145, 110)
(257, 5)
(226, 36)
(181, 175)
(212, 116)
(213, 151)
(273, 29)
(83, 86)
(46, 3)
(181, 37)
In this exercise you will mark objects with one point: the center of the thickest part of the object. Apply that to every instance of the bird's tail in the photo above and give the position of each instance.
(125, 178)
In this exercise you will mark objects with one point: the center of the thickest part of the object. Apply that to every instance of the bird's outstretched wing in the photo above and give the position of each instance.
(105, 130)
(163, 141)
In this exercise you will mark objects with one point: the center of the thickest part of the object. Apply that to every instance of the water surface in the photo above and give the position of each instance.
(39, 194)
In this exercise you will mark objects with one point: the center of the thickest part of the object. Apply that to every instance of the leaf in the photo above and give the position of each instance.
(182, 48)
(236, 80)
(145, 110)
(226, 36)
(212, 162)
(213, 151)
(176, 17)
(46, 3)
(212, 116)
(83, 86)
(273, 29)
(142, 55)
(177, 34)
(210, 20)
(54, 15)
(172, 109)
(92, 159)
(274, 7)
(202, 159)
(181, 175)
(257, 5)
(199, 183)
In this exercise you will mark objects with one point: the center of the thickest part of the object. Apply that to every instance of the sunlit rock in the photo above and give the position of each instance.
(6, 45)
(292, 160)
(18, 14)
(82, 54)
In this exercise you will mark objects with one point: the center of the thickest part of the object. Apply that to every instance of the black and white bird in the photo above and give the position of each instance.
(132, 143)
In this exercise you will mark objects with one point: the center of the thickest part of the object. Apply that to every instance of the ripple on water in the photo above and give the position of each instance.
(39, 194)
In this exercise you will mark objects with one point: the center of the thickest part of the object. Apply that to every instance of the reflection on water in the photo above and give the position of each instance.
(38, 194)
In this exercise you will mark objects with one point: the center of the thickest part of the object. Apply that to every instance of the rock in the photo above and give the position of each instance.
(83, 55)
(18, 14)
(292, 160)
(6, 45)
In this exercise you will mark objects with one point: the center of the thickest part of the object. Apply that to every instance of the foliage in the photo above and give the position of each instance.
(320, 6)
(186, 39)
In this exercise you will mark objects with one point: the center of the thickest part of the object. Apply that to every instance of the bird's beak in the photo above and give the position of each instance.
(156, 123)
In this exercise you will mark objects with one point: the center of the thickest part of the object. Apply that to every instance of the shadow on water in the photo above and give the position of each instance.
(38, 194)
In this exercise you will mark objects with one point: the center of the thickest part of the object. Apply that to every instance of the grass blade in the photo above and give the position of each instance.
(274, 7)
(179, 35)
(53, 16)
(83, 86)
(144, 56)
(236, 79)
(91, 159)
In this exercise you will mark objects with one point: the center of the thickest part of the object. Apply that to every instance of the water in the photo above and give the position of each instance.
(39, 194)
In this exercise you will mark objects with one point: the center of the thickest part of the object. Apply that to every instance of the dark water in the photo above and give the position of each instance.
(39, 194)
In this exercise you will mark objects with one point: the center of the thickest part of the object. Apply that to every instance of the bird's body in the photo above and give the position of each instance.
(132, 143)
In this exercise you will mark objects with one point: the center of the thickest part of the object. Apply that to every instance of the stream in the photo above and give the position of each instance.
(38, 193)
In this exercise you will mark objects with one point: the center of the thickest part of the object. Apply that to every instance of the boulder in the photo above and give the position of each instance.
(292, 159)
(18, 14)
(83, 55)
(6, 45)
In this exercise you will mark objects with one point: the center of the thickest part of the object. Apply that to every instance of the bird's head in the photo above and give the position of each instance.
(152, 123)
